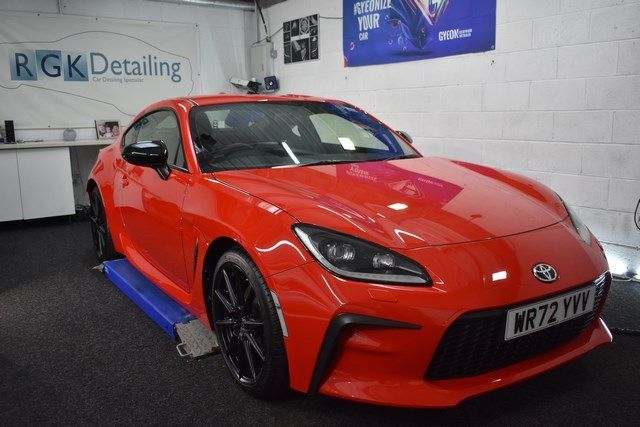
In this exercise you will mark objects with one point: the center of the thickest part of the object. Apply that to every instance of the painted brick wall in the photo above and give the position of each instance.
(558, 100)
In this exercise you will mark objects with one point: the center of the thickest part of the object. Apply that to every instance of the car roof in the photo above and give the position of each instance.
(227, 98)
(224, 98)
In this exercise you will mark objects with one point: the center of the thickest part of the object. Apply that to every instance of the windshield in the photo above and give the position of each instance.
(271, 134)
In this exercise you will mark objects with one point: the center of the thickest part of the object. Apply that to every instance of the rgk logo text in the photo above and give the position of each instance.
(32, 65)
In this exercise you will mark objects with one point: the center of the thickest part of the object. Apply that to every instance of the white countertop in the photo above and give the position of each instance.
(57, 143)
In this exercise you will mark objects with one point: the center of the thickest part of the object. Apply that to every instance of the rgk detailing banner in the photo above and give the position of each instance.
(61, 70)
(385, 31)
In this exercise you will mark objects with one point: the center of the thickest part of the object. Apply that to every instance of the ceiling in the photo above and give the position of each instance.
(268, 3)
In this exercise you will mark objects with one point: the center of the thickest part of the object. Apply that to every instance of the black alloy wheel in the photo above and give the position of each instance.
(102, 242)
(240, 324)
(248, 328)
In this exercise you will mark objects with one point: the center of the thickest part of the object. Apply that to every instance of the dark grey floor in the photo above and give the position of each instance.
(74, 350)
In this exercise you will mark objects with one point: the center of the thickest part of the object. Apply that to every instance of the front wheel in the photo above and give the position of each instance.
(247, 326)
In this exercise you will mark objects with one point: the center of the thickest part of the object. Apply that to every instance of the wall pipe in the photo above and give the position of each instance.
(212, 3)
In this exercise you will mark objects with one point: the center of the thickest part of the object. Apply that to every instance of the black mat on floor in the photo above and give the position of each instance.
(74, 350)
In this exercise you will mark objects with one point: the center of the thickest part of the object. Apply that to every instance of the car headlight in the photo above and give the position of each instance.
(580, 227)
(357, 259)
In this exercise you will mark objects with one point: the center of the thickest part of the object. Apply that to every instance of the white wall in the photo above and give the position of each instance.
(225, 34)
(558, 100)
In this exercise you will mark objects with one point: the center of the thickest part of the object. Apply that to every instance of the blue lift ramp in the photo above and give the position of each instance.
(161, 308)
(195, 339)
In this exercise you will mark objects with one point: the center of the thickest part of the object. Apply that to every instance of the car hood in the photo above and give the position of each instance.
(408, 203)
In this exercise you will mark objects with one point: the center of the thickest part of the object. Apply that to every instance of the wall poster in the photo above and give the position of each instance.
(386, 31)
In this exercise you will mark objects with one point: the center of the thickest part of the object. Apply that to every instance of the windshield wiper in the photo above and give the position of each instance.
(328, 162)
(399, 156)
(336, 161)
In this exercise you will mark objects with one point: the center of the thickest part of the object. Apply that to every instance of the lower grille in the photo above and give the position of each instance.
(475, 343)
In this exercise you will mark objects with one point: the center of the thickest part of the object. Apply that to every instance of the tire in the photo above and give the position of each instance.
(102, 242)
(248, 329)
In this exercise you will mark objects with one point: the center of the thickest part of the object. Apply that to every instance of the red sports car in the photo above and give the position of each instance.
(330, 256)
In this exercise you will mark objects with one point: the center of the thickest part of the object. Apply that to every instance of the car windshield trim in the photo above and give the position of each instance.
(336, 162)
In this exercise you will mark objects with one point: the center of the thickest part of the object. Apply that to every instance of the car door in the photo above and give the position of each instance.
(151, 207)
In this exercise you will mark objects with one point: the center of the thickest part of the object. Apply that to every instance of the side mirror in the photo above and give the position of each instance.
(152, 154)
(405, 136)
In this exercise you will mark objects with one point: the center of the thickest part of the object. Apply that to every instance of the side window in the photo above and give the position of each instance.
(163, 126)
(131, 135)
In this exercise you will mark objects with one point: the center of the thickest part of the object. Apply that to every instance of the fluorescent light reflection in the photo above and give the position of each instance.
(398, 206)
(347, 143)
(290, 153)
(499, 275)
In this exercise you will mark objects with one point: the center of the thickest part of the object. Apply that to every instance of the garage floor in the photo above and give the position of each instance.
(74, 350)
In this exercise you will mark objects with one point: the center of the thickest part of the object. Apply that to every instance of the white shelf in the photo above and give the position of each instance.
(57, 143)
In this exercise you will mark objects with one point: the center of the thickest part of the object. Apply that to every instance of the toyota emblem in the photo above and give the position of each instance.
(545, 273)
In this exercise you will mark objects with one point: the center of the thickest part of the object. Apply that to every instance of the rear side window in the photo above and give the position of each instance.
(163, 126)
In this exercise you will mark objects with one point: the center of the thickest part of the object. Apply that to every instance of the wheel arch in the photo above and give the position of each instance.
(91, 184)
(113, 220)
(215, 250)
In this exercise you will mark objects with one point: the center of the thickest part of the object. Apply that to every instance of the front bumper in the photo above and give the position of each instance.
(407, 392)
(374, 343)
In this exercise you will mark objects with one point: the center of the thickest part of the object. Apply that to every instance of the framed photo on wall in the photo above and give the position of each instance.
(107, 129)
(300, 38)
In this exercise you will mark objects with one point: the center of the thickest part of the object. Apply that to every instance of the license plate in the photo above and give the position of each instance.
(540, 315)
